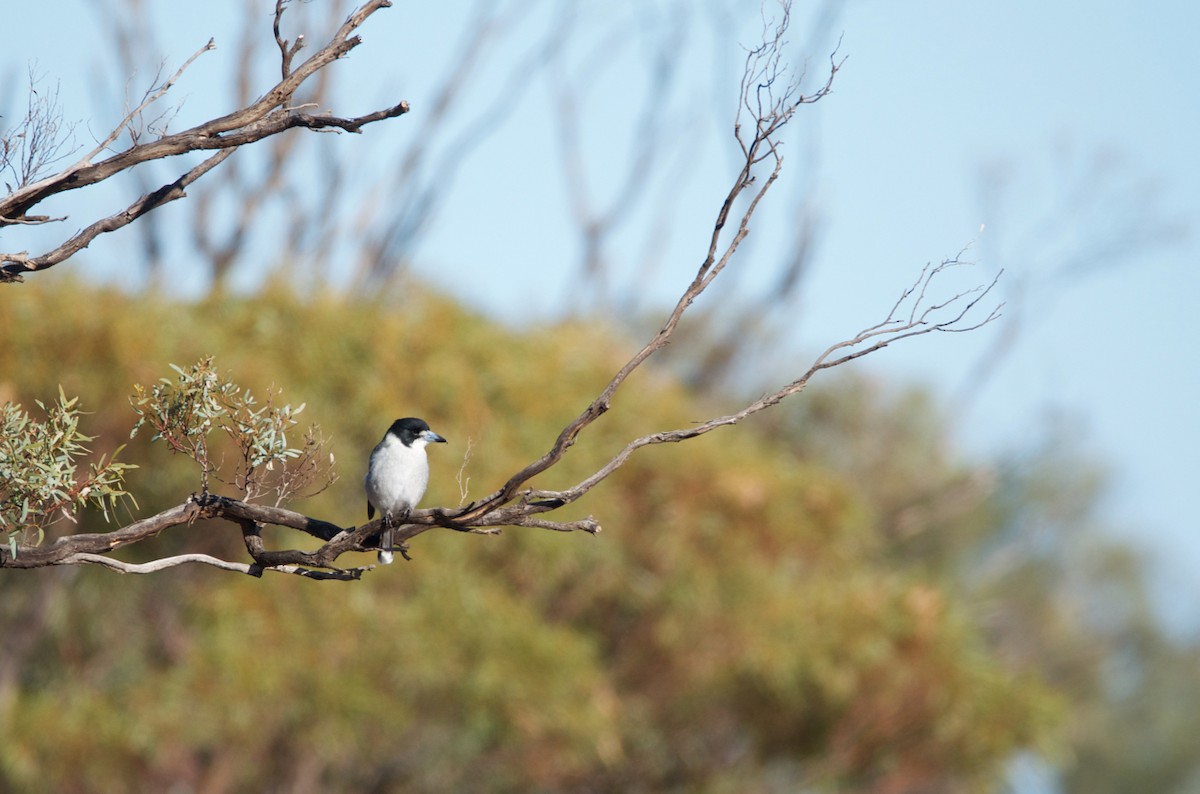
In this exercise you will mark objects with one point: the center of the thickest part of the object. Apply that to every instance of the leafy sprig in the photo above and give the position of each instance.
(40, 482)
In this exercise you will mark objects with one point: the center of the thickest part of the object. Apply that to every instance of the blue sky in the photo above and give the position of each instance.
(957, 85)
(1085, 115)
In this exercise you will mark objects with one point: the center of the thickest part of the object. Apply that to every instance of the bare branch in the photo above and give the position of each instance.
(464, 482)
(152, 96)
(422, 179)
(287, 50)
(348, 574)
(598, 221)
(37, 141)
(53, 553)
(250, 518)
(154, 565)
(269, 115)
(36, 220)
(955, 310)
(16, 264)
(763, 69)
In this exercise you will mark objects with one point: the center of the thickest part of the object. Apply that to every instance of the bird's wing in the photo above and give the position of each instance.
(370, 511)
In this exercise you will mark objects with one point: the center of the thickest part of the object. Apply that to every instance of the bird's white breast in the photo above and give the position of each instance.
(397, 475)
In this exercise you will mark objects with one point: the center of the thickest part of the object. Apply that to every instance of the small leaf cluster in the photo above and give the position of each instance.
(184, 412)
(39, 471)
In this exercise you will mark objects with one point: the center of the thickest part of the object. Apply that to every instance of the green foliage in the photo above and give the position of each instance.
(39, 479)
(184, 412)
(757, 615)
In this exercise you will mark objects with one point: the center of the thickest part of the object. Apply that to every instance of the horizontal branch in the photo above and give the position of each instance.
(12, 265)
(197, 507)
(154, 565)
(99, 543)
(204, 559)
(93, 548)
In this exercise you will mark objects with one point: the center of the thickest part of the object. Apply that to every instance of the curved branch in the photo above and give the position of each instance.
(101, 543)
(154, 566)
(763, 69)
(922, 320)
(16, 264)
(318, 563)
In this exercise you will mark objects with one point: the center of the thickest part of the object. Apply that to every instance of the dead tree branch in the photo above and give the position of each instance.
(923, 318)
(269, 115)
(771, 113)
(22, 262)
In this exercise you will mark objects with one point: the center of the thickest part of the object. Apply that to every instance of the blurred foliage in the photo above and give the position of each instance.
(825, 598)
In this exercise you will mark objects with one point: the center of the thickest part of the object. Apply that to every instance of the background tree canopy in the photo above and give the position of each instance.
(829, 598)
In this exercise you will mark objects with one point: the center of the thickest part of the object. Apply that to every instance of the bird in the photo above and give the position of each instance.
(397, 474)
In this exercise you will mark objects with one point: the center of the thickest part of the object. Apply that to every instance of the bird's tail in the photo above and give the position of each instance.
(385, 546)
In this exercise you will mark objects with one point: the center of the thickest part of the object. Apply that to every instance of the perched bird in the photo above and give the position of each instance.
(397, 475)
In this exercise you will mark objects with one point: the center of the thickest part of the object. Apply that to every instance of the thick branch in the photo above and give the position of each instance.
(913, 314)
(93, 548)
(102, 543)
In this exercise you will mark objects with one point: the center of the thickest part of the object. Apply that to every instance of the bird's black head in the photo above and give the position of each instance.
(410, 429)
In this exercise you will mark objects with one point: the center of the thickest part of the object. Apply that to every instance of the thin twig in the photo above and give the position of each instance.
(463, 481)
(152, 96)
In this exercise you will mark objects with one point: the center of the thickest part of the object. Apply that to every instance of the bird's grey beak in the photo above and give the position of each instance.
(431, 436)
